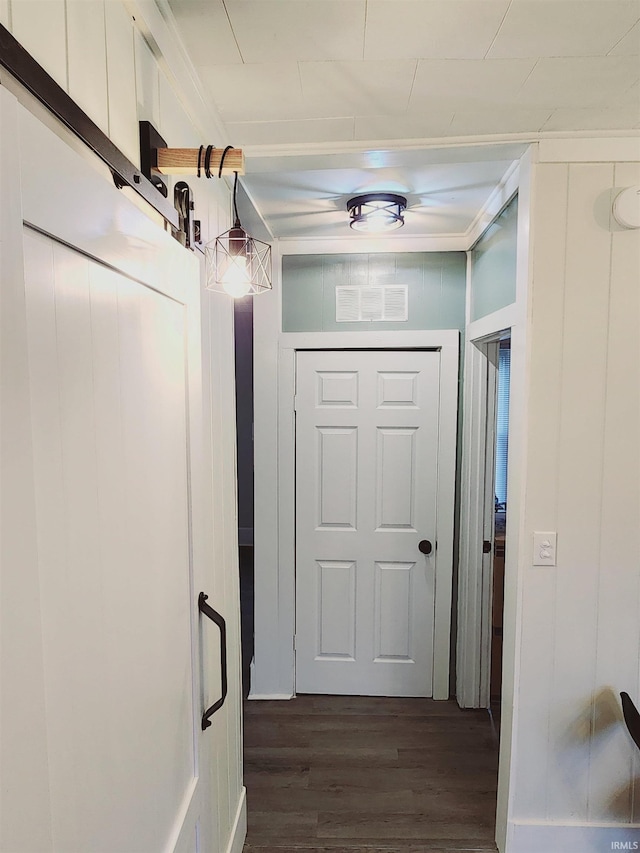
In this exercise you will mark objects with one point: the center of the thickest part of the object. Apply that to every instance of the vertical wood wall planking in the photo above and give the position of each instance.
(176, 127)
(46, 42)
(147, 82)
(612, 778)
(579, 485)
(87, 58)
(121, 81)
(539, 599)
(5, 14)
(575, 761)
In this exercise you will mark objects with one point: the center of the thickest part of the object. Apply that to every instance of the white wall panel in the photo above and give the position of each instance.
(40, 27)
(613, 760)
(147, 82)
(86, 58)
(583, 375)
(538, 646)
(575, 765)
(121, 80)
(177, 127)
(5, 14)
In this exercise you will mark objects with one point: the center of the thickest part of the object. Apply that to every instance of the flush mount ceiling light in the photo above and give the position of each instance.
(237, 263)
(376, 212)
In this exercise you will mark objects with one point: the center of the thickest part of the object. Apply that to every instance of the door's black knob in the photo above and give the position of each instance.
(425, 546)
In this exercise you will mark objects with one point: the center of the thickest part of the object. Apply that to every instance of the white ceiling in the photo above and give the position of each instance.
(390, 76)
(306, 195)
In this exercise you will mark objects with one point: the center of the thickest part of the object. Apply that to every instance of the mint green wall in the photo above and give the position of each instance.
(436, 282)
(493, 265)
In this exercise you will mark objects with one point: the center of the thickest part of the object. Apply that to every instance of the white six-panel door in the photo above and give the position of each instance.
(366, 486)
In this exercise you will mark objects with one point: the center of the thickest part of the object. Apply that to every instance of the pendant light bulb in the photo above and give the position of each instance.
(235, 280)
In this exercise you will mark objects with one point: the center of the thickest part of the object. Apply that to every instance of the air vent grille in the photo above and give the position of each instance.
(372, 303)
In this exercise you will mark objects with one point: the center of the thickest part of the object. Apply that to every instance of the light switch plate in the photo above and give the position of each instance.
(544, 549)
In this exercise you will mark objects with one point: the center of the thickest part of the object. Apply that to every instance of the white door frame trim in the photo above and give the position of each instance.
(447, 342)
(516, 318)
(475, 572)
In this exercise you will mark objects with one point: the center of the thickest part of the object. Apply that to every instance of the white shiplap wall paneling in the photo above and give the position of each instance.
(576, 765)
(581, 423)
(539, 597)
(121, 80)
(618, 638)
(5, 14)
(87, 61)
(147, 82)
(176, 126)
(40, 26)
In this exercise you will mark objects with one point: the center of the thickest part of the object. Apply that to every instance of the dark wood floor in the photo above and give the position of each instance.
(347, 774)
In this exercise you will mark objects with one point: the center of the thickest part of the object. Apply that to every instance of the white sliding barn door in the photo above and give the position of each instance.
(121, 665)
(366, 492)
(107, 359)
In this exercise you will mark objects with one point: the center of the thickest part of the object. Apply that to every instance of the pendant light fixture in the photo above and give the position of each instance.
(376, 213)
(238, 264)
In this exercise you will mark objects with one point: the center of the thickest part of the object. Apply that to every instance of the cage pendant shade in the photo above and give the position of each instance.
(236, 263)
(376, 212)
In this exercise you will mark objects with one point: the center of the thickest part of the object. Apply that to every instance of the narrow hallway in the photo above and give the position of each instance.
(381, 775)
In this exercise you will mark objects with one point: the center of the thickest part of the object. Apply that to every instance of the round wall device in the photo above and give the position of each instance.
(626, 208)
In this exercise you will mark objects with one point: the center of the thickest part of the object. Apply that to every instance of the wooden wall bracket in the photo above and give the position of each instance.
(156, 159)
(184, 161)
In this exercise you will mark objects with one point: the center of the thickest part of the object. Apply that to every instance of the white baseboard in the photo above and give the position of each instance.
(270, 696)
(239, 828)
(572, 838)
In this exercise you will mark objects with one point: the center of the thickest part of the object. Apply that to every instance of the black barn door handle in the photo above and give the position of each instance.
(205, 608)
